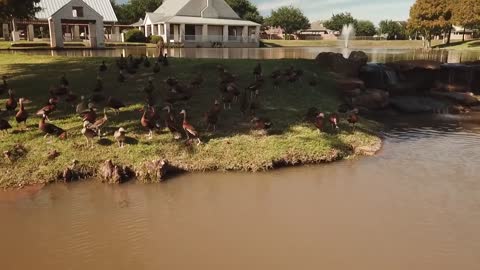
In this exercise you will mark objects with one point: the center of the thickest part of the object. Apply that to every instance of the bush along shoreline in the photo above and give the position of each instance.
(150, 118)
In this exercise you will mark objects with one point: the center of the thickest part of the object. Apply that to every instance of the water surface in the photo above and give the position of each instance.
(414, 206)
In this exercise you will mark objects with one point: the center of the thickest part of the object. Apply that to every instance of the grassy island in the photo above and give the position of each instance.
(234, 146)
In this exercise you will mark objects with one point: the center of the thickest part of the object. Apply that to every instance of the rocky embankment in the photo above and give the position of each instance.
(406, 86)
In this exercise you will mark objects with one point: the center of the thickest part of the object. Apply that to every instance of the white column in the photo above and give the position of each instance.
(76, 32)
(245, 34)
(56, 38)
(225, 33)
(167, 32)
(182, 32)
(205, 33)
(100, 34)
(92, 31)
(15, 35)
(5, 31)
(152, 29)
(175, 33)
(159, 29)
(30, 32)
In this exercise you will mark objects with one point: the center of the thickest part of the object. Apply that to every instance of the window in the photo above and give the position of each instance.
(77, 12)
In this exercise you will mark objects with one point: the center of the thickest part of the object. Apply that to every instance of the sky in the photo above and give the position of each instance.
(373, 10)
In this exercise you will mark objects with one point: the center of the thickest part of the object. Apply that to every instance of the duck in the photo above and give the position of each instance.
(22, 114)
(103, 67)
(146, 63)
(120, 137)
(147, 122)
(149, 88)
(227, 98)
(121, 76)
(170, 123)
(255, 89)
(352, 118)
(98, 85)
(333, 120)
(89, 133)
(261, 123)
(4, 125)
(211, 117)
(63, 80)
(171, 82)
(156, 67)
(70, 173)
(48, 109)
(165, 60)
(50, 129)
(89, 115)
(197, 81)
(4, 85)
(115, 104)
(97, 125)
(58, 91)
(257, 71)
(244, 105)
(11, 103)
(233, 88)
(189, 129)
(319, 121)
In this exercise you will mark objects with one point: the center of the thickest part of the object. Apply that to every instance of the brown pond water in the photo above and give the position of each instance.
(376, 55)
(414, 206)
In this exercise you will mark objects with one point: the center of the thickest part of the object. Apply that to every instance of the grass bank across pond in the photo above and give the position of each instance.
(233, 147)
(358, 44)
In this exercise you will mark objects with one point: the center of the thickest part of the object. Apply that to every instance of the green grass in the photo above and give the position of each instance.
(23, 45)
(233, 147)
(393, 44)
(471, 45)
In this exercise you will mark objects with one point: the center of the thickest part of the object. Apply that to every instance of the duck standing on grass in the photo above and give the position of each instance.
(333, 120)
(22, 114)
(4, 125)
(63, 80)
(98, 125)
(120, 136)
(11, 103)
(50, 129)
(89, 133)
(4, 85)
(189, 129)
(211, 117)
(147, 122)
(171, 124)
(103, 67)
(48, 109)
(115, 104)
(121, 76)
(352, 118)
(319, 122)
(165, 60)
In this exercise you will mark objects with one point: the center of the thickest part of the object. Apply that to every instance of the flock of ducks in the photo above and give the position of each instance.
(178, 94)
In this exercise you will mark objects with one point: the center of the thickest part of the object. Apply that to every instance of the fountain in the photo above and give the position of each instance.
(348, 33)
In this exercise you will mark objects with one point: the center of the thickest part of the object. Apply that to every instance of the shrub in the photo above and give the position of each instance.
(135, 35)
(156, 40)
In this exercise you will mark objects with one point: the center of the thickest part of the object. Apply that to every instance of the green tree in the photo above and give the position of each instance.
(337, 21)
(365, 28)
(393, 30)
(21, 9)
(246, 10)
(430, 17)
(466, 13)
(134, 10)
(289, 18)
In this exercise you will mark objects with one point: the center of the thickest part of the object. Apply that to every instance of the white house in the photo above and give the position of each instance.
(70, 20)
(201, 23)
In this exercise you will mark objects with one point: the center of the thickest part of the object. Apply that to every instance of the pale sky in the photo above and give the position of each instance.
(374, 10)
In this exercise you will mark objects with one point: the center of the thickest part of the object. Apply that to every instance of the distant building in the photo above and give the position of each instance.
(317, 31)
(68, 20)
(458, 33)
(201, 23)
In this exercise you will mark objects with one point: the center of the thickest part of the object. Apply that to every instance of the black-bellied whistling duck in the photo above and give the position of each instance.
(211, 117)
(333, 120)
(171, 124)
(50, 129)
(233, 88)
(89, 133)
(103, 67)
(115, 104)
(48, 109)
(98, 85)
(165, 60)
(171, 82)
(255, 89)
(22, 114)
(89, 115)
(4, 125)
(147, 122)
(4, 85)
(63, 80)
(261, 123)
(156, 67)
(319, 121)
(98, 125)
(227, 98)
(146, 63)
(149, 88)
(352, 118)
(189, 129)
(82, 106)
(11, 103)
(257, 71)
(120, 136)
(121, 62)
(121, 76)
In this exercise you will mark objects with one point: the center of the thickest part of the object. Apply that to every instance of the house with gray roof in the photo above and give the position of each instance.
(200, 23)
(91, 21)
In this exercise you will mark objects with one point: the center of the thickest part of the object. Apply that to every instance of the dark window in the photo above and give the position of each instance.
(77, 12)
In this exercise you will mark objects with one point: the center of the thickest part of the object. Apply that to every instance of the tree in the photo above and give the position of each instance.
(134, 10)
(393, 30)
(430, 17)
(289, 18)
(365, 28)
(337, 21)
(466, 13)
(246, 10)
(20, 9)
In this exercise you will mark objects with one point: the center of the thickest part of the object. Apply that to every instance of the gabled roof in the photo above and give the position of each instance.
(217, 9)
(103, 7)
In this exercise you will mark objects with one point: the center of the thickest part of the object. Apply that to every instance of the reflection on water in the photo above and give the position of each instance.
(414, 206)
(376, 55)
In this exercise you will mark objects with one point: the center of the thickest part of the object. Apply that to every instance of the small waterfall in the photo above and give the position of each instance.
(348, 33)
